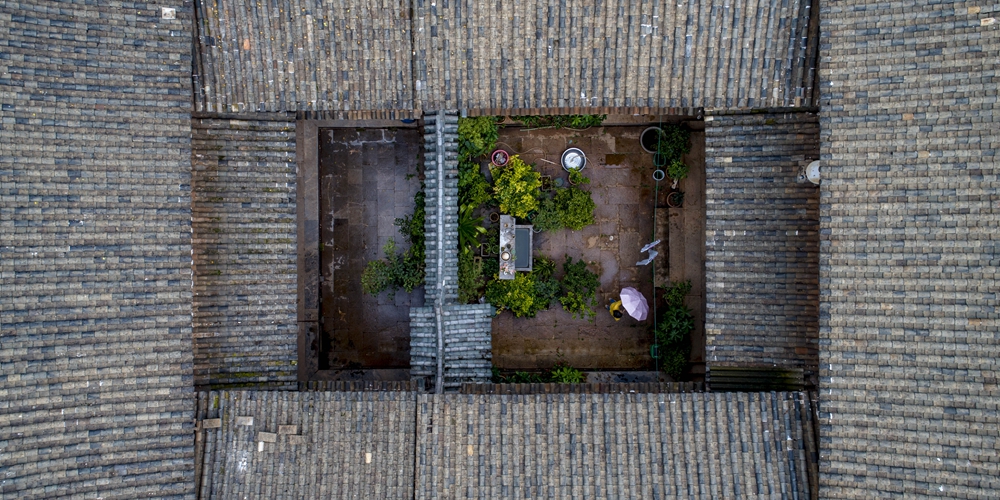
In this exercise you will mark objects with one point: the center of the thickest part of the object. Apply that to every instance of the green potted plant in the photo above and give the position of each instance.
(675, 199)
(549, 218)
(576, 178)
(579, 286)
(576, 207)
(677, 171)
(469, 228)
(565, 374)
(516, 187)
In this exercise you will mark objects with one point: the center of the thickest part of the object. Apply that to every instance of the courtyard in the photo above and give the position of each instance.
(627, 216)
(368, 179)
(372, 262)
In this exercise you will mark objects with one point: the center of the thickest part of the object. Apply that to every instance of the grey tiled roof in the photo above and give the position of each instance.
(95, 303)
(466, 351)
(762, 241)
(909, 326)
(400, 445)
(717, 445)
(302, 55)
(243, 208)
(293, 445)
(579, 53)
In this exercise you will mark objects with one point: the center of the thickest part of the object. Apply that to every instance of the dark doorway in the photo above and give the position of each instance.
(368, 178)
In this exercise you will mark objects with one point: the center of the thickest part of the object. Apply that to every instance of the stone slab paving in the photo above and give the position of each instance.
(368, 178)
(623, 193)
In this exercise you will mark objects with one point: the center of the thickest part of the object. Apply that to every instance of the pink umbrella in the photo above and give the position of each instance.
(634, 303)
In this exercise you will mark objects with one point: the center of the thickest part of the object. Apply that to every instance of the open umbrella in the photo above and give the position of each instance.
(634, 303)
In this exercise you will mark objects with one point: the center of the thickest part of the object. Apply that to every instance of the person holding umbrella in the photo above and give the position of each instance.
(616, 308)
(633, 302)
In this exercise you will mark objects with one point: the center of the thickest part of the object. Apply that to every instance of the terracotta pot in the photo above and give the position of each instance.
(675, 199)
(499, 157)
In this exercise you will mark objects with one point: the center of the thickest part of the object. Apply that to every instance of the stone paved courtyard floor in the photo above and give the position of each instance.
(367, 180)
(623, 190)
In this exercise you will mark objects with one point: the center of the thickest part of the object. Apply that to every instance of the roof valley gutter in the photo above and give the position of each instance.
(439, 126)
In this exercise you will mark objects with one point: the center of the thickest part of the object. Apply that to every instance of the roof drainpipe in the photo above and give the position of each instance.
(438, 313)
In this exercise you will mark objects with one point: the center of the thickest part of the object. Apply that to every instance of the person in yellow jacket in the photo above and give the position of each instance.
(617, 310)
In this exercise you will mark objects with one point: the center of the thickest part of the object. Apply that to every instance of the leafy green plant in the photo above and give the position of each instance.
(548, 218)
(476, 136)
(547, 287)
(473, 188)
(676, 322)
(491, 268)
(404, 270)
(564, 374)
(470, 277)
(516, 188)
(575, 177)
(517, 295)
(675, 142)
(579, 287)
(675, 293)
(469, 229)
(675, 360)
(576, 207)
(492, 241)
(519, 377)
(377, 276)
(584, 121)
(677, 170)
(673, 328)
(561, 121)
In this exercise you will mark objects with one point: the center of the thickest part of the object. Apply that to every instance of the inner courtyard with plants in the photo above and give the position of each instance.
(592, 198)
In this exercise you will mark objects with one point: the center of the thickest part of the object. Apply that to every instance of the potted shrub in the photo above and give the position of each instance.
(677, 171)
(516, 187)
(575, 178)
(675, 142)
(649, 139)
(579, 289)
(675, 199)
(548, 217)
(576, 208)
(499, 158)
